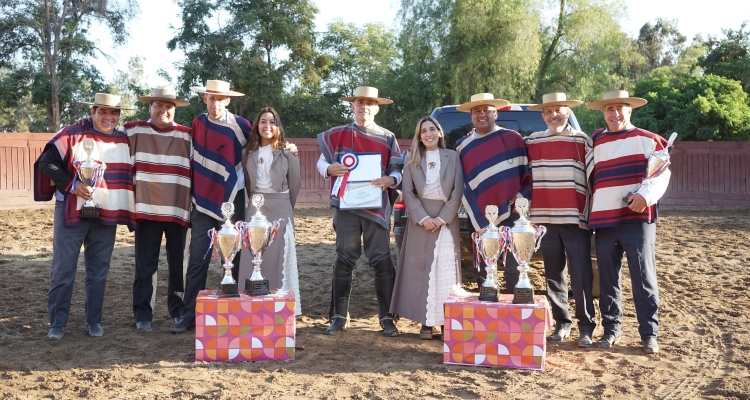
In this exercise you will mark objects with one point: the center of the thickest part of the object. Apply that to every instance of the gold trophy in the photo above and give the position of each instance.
(526, 239)
(91, 174)
(490, 244)
(228, 244)
(259, 233)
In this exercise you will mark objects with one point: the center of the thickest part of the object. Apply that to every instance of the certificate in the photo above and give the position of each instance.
(358, 192)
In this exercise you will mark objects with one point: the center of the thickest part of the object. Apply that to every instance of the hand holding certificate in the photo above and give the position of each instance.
(355, 189)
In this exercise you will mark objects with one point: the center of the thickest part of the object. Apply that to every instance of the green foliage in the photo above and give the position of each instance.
(129, 85)
(729, 57)
(698, 108)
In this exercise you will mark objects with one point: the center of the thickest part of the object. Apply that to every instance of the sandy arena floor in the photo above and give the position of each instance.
(702, 260)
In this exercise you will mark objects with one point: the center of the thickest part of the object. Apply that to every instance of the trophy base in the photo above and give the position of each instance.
(89, 212)
(256, 288)
(229, 290)
(523, 296)
(487, 293)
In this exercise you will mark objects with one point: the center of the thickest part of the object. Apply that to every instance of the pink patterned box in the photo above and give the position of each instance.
(499, 334)
(244, 328)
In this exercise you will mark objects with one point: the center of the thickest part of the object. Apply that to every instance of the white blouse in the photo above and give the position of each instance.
(432, 189)
(265, 159)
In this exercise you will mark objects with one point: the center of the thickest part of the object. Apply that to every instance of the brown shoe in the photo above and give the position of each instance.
(425, 333)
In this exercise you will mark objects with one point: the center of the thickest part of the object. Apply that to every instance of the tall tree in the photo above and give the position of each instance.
(54, 34)
(729, 56)
(661, 43)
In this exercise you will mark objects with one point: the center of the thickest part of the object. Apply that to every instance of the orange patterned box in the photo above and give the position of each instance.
(499, 334)
(244, 328)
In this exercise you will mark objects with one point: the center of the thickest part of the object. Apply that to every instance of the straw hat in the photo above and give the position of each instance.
(482, 99)
(617, 96)
(166, 95)
(216, 87)
(366, 92)
(554, 99)
(106, 100)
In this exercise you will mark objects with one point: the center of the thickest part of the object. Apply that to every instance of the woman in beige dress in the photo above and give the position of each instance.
(273, 171)
(429, 264)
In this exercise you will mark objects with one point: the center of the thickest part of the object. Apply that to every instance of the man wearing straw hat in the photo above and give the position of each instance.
(619, 162)
(161, 151)
(113, 197)
(373, 225)
(495, 172)
(218, 137)
(560, 195)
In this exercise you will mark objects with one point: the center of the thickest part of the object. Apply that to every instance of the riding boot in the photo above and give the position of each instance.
(385, 276)
(341, 287)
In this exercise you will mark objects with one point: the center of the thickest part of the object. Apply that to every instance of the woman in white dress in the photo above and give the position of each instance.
(273, 171)
(429, 264)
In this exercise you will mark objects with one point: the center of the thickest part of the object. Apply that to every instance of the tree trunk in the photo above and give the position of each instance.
(540, 88)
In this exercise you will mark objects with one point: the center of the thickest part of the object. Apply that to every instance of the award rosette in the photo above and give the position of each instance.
(350, 161)
(90, 172)
(658, 162)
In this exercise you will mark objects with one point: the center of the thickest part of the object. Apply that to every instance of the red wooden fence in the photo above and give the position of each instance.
(703, 173)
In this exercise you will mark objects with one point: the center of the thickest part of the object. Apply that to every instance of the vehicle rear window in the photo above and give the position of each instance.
(458, 124)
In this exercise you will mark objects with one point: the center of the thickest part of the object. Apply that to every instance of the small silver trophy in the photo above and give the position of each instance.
(259, 234)
(229, 242)
(657, 164)
(526, 239)
(91, 174)
(489, 245)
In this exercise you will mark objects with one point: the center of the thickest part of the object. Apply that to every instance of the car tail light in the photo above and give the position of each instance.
(399, 204)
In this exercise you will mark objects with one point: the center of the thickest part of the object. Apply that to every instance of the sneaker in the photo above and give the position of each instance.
(561, 332)
(95, 330)
(144, 326)
(56, 333)
(650, 346)
(609, 340)
(584, 340)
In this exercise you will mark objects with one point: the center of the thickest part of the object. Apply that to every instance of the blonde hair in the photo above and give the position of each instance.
(417, 147)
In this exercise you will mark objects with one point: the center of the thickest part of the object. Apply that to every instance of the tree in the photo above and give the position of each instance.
(729, 57)
(699, 108)
(661, 43)
(130, 85)
(53, 36)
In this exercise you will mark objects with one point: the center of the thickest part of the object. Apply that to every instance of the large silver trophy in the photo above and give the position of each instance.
(490, 244)
(91, 174)
(657, 164)
(525, 240)
(259, 234)
(229, 243)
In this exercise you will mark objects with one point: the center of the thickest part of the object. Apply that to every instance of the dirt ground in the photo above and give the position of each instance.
(702, 260)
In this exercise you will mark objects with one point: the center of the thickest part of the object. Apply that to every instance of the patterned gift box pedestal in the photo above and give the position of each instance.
(499, 334)
(244, 328)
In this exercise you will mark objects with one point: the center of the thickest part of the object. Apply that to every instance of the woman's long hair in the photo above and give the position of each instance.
(278, 140)
(417, 147)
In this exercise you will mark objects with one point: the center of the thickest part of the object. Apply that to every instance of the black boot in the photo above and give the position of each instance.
(341, 287)
(385, 276)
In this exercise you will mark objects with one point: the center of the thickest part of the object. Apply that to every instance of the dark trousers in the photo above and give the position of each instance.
(562, 239)
(98, 241)
(637, 241)
(148, 235)
(510, 272)
(199, 258)
(351, 232)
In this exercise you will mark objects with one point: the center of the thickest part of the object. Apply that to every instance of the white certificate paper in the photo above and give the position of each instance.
(359, 194)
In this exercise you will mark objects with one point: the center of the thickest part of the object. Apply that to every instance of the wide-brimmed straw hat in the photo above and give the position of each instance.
(482, 99)
(366, 92)
(216, 87)
(554, 100)
(617, 96)
(164, 95)
(106, 100)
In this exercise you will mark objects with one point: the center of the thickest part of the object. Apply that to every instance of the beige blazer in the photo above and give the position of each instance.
(285, 173)
(451, 181)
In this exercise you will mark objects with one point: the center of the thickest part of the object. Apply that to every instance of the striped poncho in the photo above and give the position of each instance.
(114, 198)
(162, 171)
(217, 158)
(354, 138)
(619, 162)
(495, 171)
(560, 188)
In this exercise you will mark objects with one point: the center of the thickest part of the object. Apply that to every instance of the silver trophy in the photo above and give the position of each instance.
(259, 234)
(490, 244)
(229, 243)
(657, 164)
(525, 240)
(91, 174)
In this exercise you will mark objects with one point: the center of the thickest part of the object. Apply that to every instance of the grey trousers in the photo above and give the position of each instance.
(98, 241)
(637, 241)
(352, 231)
(562, 239)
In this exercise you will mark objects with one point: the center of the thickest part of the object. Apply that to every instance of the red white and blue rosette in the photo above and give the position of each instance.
(350, 161)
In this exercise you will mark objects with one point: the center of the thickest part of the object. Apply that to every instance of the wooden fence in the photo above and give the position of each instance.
(703, 173)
